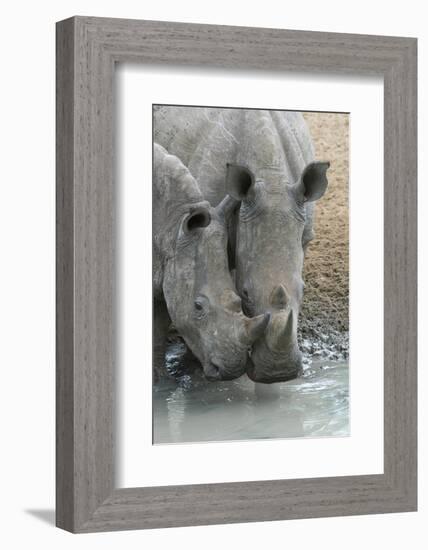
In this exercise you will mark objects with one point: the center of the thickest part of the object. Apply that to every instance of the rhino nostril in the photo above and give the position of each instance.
(212, 371)
(215, 368)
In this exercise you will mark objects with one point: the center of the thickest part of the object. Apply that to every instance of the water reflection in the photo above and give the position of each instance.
(191, 409)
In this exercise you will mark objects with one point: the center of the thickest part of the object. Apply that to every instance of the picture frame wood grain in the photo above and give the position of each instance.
(87, 50)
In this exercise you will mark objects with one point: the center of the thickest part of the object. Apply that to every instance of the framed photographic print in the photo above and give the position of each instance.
(236, 274)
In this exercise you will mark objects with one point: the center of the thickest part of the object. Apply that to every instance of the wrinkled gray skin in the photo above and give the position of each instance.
(264, 160)
(192, 285)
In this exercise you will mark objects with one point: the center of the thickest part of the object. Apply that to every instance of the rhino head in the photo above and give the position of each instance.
(196, 282)
(272, 231)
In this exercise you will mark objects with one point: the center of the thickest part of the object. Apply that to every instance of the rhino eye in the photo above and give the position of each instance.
(201, 306)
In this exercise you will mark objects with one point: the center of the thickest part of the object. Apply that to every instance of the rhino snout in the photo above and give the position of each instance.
(225, 351)
(268, 378)
(215, 370)
(267, 368)
(276, 357)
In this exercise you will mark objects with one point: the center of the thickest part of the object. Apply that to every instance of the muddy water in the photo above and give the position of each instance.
(190, 409)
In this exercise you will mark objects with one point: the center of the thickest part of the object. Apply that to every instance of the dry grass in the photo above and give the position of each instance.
(327, 261)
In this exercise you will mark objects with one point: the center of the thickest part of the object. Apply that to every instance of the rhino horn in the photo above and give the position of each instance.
(285, 336)
(279, 297)
(254, 328)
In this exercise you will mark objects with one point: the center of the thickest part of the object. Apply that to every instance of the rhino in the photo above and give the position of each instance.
(264, 162)
(192, 285)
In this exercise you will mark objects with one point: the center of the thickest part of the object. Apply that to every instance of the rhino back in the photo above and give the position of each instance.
(204, 139)
(207, 139)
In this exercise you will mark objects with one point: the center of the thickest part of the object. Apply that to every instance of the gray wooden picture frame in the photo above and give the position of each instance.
(87, 50)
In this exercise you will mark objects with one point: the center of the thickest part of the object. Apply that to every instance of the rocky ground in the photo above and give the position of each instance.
(324, 318)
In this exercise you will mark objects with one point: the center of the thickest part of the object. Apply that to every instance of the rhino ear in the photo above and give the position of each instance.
(200, 217)
(239, 181)
(313, 181)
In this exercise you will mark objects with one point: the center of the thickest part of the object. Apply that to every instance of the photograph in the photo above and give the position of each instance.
(210, 262)
(250, 214)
